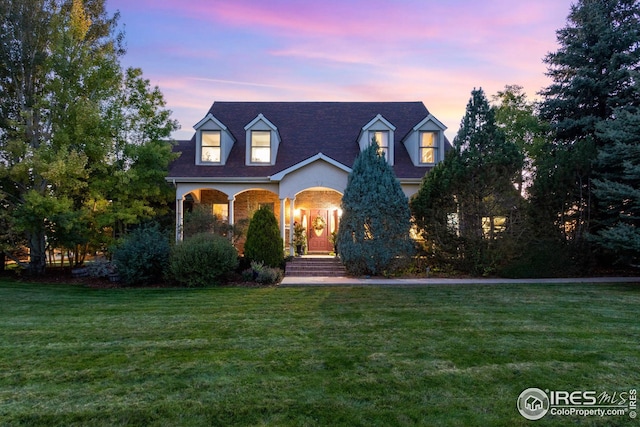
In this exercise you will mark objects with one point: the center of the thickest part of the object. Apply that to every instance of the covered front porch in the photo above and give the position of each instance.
(307, 194)
(317, 210)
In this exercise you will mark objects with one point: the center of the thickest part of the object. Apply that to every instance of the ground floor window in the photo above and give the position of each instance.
(221, 211)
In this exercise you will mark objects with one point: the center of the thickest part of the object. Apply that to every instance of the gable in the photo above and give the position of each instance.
(317, 171)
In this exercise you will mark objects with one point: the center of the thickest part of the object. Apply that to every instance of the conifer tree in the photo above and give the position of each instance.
(618, 189)
(375, 224)
(594, 73)
(264, 243)
(470, 201)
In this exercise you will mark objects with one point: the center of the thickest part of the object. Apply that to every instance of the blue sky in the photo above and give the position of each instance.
(201, 51)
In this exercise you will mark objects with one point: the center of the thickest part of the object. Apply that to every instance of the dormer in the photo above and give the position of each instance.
(382, 131)
(213, 141)
(425, 143)
(263, 140)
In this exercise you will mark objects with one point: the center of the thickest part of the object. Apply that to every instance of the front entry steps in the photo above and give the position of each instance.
(315, 266)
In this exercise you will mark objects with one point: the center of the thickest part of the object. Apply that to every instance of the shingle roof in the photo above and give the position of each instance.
(305, 128)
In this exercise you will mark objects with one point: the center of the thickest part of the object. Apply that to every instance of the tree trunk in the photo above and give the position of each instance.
(38, 253)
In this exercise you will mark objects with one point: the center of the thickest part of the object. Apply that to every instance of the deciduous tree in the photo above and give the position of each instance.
(518, 118)
(61, 86)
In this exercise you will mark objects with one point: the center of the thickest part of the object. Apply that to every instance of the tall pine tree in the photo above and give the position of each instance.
(594, 73)
(618, 187)
(376, 221)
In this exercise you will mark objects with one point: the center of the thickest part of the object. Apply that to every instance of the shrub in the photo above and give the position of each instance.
(202, 220)
(261, 273)
(202, 260)
(548, 259)
(99, 269)
(142, 256)
(264, 243)
(269, 276)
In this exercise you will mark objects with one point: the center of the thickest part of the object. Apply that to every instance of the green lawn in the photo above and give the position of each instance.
(440, 355)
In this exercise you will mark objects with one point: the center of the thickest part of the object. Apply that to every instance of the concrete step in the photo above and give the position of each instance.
(315, 267)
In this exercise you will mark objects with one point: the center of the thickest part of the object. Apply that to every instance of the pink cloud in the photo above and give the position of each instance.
(293, 50)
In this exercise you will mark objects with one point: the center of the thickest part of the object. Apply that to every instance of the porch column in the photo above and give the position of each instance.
(232, 200)
(179, 218)
(292, 213)
(283, 231)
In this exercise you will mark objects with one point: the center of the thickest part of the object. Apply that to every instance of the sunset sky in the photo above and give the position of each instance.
(201, 51)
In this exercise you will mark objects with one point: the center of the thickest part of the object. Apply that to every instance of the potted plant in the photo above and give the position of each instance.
(299, 237)
(334, 241)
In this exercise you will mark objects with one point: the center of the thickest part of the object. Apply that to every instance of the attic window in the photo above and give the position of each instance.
(211, 149)
(382, 138)
(428, 147)
(260, 146)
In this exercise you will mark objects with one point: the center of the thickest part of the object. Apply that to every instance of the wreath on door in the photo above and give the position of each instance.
(318, 225)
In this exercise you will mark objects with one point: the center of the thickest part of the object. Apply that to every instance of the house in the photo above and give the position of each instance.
(296, 156)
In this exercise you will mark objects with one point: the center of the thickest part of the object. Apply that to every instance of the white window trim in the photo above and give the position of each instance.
(202, 146)
(386, 148)
(437, 157)
(253, 147)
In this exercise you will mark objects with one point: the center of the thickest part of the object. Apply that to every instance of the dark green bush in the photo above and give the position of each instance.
(547, 259)
(263, 274)
(202, 260)
(142, 256)
(264, 243)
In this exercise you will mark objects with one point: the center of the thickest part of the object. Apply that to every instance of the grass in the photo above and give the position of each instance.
(379, 356)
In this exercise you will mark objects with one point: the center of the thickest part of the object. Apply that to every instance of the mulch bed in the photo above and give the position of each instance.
(63, 276)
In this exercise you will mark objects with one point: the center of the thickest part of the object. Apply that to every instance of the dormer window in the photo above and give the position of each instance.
(426, 142)
(263, 140)
(382, 138)
(428, 147)
(260, 146)
(382, 131)
(213, 142)
(211, 148)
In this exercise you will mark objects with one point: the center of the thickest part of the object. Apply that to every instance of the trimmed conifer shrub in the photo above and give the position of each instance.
(264, 243)
(375, 224)
(203, 260)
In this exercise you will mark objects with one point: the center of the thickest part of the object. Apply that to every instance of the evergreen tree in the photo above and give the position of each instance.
(434, 209)
(470, 201)
(618, 189)
(594, 74)
(375, 224)
(264, 243)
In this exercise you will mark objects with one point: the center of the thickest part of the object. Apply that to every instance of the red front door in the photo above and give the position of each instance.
(318, 231)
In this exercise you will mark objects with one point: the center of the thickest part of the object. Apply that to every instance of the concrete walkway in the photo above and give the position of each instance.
(351, 281)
